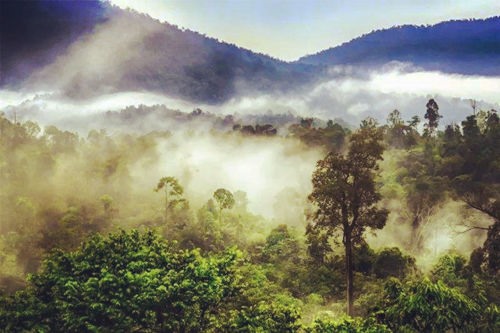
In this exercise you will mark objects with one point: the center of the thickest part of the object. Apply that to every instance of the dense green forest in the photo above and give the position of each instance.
(398, 231)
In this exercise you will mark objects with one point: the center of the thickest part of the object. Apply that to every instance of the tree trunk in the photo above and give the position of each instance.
(349, 274)
(166, 205)
(414, 233)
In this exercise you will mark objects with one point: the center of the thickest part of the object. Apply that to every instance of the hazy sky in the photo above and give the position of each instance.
(289, 29)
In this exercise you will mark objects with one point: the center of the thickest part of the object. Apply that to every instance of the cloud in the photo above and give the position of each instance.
(353, 95)
(436, 83)
(441, 232)
(350, 95)
(262, 167)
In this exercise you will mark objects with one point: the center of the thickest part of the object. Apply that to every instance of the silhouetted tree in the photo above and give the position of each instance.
(432, 115)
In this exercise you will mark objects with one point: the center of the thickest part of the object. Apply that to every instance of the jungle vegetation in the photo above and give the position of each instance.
(92, 241)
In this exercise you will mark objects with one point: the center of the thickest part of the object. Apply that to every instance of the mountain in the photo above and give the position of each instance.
(33, 33)
(459, 46)
(90, 47)
(85, 48)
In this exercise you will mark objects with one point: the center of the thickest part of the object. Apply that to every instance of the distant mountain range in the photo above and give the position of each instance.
(461, 46)
(90, 47)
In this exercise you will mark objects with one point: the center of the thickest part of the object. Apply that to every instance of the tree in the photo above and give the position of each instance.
(432, 115)
(413, 123)
(489, 254)
(225, 200)
(282, 254)
(391, 262)
(173, 194)
(492, 247)
(424, 192)
(492, 121)
(345, 195)
(475, 179)
(451, 269)
(398, 134)
(396, 129)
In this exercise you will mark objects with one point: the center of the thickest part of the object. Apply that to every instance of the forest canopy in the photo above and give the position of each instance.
(398, 223)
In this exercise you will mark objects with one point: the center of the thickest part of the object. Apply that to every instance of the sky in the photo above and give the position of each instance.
(289, 29)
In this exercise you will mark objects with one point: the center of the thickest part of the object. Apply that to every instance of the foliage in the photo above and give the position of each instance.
(398, 134)
(425, 190)
(224, 199)
(135, 282)
(424, 306)
(276, 316)
(332, 137)
(449, 269)
(284, 258)
(471, 163)
(344, 190)
(59, 188)
(346, 325)
(173, 194)
(492, 248)
(364, 258)
(176, 215)
(391, 262)
(454, 270)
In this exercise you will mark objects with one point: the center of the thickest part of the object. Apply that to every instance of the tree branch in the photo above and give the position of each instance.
(472, 227)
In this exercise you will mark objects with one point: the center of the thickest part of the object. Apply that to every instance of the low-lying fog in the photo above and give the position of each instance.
(274, 172)
(347, 97)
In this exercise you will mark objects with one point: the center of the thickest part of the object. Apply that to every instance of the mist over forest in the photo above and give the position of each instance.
(154, 179)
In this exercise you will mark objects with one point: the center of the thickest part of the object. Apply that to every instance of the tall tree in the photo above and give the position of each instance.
(345, 195)
(173, 193)
(432, 115)
(225, 200)
(395, 129)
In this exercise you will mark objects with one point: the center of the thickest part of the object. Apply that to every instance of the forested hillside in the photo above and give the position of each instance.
(459, 46)
(395, 224)
(87, 48)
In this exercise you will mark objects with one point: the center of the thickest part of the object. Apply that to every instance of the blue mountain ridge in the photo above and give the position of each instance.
(460, 46)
